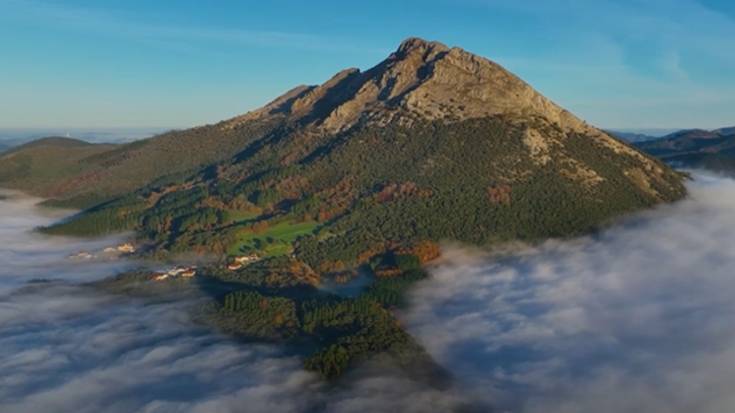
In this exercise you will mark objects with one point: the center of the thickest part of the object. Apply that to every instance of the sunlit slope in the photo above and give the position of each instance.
(352, 171)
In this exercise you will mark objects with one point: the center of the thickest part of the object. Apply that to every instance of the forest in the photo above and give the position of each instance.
(316, 208)
(343, 331)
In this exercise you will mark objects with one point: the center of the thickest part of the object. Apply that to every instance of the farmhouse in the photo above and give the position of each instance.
(245, 259)
(176, 272)
(126, 248)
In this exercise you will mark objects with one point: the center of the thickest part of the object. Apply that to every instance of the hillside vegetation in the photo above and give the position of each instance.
(72, 174)
(37, 167)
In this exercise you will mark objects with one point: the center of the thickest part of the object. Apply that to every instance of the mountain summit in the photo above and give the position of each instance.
(420, 80)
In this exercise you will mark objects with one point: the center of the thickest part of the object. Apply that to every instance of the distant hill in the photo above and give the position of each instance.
(696, 148)
(127, 167)
(41, 164)
(52, 141)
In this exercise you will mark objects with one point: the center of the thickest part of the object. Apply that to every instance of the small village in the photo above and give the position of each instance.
(189, 272)
(176, 272)
(242, 261)
(172, 273)
(126, 248)
(109, 252)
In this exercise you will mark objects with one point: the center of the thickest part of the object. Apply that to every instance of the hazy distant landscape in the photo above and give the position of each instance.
(18, 136)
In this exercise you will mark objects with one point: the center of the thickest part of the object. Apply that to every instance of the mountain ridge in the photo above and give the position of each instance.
(688, 141)
(696, 148)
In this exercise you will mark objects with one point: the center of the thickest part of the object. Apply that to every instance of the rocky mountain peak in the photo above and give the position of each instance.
(427, 49)
(423, 79)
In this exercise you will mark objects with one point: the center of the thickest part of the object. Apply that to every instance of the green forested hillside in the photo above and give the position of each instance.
(370, 189)
(70, 174)
(375, 201)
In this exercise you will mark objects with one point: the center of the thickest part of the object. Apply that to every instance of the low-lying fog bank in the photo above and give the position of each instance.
(638, 319)
(66, 347)
(26, 255)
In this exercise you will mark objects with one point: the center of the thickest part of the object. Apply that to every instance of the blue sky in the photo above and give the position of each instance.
(142, 63)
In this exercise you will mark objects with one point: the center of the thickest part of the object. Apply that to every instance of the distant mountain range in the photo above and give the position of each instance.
(696, 148)
(366, 172)
(94, 135)
(632, 137)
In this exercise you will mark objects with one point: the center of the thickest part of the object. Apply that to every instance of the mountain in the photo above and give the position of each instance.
(356, 182)
(432, 143)
(696, 148)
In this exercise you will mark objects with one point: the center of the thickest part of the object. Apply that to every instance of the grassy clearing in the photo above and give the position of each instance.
(275, 240)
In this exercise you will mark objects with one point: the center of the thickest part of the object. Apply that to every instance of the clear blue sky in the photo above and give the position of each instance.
(96, 63)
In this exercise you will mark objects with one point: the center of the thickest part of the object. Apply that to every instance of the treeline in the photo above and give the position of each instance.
(355, 330)
(258, 316)
(115, 216)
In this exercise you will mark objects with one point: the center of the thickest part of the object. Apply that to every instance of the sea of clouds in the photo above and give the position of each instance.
(640, 317)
